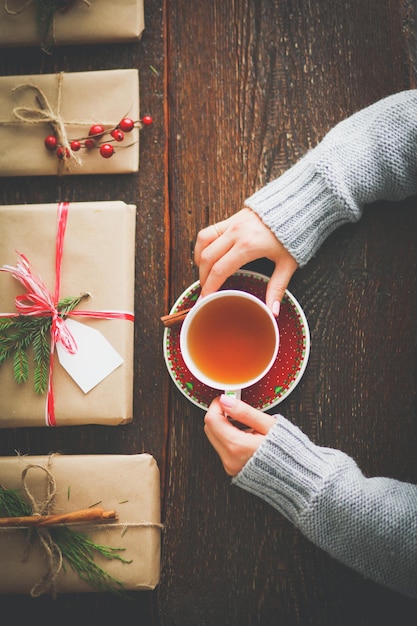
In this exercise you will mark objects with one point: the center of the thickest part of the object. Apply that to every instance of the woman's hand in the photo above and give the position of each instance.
(233, 445)
(223, 248)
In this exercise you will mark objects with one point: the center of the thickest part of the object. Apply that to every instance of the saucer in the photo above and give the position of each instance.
(289, 365)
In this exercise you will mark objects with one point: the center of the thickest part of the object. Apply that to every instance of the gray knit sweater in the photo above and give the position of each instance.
(369, 524)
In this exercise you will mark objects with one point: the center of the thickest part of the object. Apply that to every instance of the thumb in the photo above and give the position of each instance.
(246, 414)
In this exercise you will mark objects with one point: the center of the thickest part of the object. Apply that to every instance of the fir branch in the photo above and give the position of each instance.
(66, 305)
(5, 322)
(41, 356)
(12, 503)
(77, 549)
(44, 18)
(20, 365)
(18, 334)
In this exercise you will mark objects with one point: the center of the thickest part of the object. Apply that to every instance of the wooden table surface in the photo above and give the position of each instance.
(239, 90)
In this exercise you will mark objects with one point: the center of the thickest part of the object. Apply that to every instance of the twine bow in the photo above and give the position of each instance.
(39, 302)
(45, 113)
(53, 554)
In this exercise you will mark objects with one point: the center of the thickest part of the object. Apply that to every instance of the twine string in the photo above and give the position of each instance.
(40, 508)
(17, 11)
(52, 552)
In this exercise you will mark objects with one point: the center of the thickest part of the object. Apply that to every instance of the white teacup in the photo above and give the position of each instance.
(229, 340)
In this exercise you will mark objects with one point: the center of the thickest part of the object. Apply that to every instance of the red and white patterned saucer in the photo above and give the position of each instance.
(289, 365)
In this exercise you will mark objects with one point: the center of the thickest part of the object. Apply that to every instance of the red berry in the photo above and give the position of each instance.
(146, 120)
(106, 150)
(62, 153)
(89, 143)
(51, 142)
(75, 145)
(96, 130)
(117, 134)
(126, 124)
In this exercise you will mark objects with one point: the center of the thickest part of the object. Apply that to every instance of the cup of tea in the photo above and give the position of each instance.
(229, 340)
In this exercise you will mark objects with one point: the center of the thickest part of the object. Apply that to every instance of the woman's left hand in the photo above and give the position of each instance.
(222, 248)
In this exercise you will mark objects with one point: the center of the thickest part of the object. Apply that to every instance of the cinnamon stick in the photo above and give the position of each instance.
(174, 318)
(96, 514)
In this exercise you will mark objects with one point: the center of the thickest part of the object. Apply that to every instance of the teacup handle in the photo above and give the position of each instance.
(233, 393)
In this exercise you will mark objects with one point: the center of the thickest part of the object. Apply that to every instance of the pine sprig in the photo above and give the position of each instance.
(77, 549)
(12, 503)
(19, 334)
(44, 17)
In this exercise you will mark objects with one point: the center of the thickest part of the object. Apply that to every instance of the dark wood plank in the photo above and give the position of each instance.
(252, 86)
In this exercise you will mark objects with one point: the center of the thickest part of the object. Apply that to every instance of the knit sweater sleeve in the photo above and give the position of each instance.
(369, 524)
(367, 157)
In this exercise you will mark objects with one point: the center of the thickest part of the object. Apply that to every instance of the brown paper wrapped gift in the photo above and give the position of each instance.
(95, 21)
(127, 484)
(98, 258)
(34, 107)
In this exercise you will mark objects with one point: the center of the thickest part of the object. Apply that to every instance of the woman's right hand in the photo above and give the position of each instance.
(233, 445)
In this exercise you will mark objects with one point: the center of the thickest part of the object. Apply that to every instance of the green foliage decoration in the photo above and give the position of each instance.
(77, 549)
(22, 333)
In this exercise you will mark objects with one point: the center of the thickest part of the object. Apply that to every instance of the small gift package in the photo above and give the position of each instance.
(53, 506)
(48, 23)
(66, 318)
(70, 123)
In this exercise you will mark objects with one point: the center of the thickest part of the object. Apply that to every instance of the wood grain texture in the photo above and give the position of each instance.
(253, 86)
(240, 90)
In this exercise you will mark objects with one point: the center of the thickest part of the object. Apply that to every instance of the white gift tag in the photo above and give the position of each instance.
(94, 360)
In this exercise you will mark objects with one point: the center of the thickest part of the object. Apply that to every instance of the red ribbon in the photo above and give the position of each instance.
(39, 302)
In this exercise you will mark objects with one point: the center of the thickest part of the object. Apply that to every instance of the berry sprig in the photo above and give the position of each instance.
(98, 138)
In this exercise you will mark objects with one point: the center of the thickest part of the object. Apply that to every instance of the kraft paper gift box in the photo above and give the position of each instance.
(98, 258)
(126, 484)
(66, 105)
(95, 21)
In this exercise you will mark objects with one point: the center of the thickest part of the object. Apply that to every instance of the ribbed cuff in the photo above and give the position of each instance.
(300, 208)
(289, 471)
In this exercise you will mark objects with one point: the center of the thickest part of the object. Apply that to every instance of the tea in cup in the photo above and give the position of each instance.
(229, 340)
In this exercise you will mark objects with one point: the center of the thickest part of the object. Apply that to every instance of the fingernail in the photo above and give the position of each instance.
(227, 401)
(276, 307)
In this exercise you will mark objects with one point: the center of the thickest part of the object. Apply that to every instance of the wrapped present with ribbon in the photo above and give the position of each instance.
(70, 123)
(67, 276)
(49, 23)
(57, 511)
